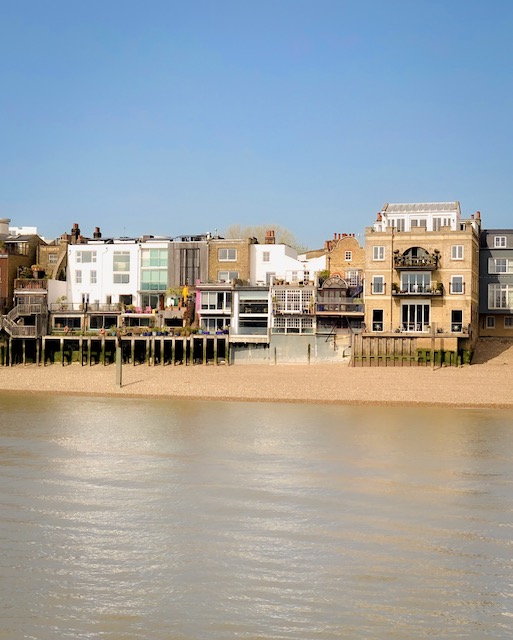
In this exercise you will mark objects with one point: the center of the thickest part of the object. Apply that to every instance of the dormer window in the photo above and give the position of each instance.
(499, 242)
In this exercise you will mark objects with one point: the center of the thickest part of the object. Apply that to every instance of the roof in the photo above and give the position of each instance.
(422, 207)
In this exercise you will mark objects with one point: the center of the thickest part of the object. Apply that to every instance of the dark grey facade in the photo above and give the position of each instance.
(496, 283)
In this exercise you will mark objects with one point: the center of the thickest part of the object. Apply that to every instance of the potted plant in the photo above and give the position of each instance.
(37, 271)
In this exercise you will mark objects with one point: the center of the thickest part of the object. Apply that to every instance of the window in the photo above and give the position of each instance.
(499, 241)
(86, 256)
(457, 252)
(398, 224)
(121, 267)
(225, 255)
(377, 319)
(456, 321)
(53, 258)
(457, 284)
(283, 324)
(415, 282)
(415, 317)
(500, 265)
(227, 276)
(293, 301)
(353, 278)
(418, 222)
(266, 256)
(500, 296)
(93, 277)
(508, 322)
(378, 253)
(438, 223)
(378, 284)
(78, 277)
(189, 266)
(490, 322)
(216, 301)
(348, 256)
(154, 258)
(153, 279)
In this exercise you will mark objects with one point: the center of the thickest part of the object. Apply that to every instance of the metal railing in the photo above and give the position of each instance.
(91, 307)
(338, 307)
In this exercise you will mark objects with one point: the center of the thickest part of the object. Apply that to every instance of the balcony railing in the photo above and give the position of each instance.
(426, 263)
(30, 283)
(418, 290)
(338, 307)
(92, 307)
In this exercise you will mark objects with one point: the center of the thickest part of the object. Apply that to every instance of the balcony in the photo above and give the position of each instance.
(30, 284)
(418, 290)
(426, 262)
(93, 307)
(338, 308)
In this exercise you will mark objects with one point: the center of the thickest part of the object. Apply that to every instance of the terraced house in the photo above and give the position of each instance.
(496, 283)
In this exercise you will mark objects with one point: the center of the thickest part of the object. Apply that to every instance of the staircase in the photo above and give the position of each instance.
(13, 322)
(494, 351)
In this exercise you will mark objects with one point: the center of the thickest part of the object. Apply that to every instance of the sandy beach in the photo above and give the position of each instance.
(480, 385)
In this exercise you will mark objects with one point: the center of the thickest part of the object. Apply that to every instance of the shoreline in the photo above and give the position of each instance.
(478, 386)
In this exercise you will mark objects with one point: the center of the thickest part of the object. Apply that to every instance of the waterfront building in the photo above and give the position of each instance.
(422, 273)
(496, 283)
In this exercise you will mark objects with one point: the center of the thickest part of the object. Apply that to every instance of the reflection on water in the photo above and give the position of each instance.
(138, 519)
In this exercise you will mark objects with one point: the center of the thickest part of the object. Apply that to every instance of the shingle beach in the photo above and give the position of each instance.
(482, 385)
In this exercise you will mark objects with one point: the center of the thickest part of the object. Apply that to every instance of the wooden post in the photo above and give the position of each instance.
(173, 350)
(204, 349)
(119, 359)
(62, 351)
(23, 351)
(214, 342)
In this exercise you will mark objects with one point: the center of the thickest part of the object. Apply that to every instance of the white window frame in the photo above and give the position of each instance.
(490, 322)
(378, 252)
(266, 256)
(375, 280)
(89, 254)
(78, 276)
(461, 280)
(508, 322)
(457, 252)
(501, 294)
(493, 265)
(499, 242)
(226, 254)
(93, 277)
(227, 276)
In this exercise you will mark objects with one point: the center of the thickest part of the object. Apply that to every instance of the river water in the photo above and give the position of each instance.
(125, 519)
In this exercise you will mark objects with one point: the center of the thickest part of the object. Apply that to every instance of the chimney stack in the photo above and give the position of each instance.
(97, 233)
(269, 237)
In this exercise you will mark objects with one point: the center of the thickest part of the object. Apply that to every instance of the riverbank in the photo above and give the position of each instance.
(482, 385)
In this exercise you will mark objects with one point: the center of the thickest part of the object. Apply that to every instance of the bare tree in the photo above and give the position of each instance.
(282, 235)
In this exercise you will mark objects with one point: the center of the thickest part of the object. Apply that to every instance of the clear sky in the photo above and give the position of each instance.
(181, 117)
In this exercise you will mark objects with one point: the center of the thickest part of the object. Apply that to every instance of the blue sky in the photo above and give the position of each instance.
(171, 118)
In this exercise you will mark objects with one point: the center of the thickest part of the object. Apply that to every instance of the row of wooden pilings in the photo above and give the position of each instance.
(135, 350)
(394, 351)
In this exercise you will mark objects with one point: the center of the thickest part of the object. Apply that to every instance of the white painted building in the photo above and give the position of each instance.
(103, 272)
(270, 262)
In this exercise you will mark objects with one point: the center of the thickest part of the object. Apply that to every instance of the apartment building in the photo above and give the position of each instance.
(422, 271)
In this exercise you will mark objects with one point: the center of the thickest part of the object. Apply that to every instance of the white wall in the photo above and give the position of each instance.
(283, 261)
(103, 266)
